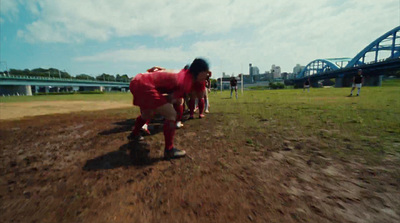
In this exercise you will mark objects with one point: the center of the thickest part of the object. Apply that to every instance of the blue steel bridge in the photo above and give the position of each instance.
(24, 85)
(380, 57)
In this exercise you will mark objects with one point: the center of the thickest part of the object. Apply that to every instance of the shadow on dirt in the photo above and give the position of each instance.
(130, 154)
(154, 127)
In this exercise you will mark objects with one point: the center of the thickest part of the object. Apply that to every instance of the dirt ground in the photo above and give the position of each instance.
(27, 109)
(80, 168)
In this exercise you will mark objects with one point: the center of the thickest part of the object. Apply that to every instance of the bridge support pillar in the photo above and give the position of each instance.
(373, 81)
(105, 89)
(16, 90)
(343, 81)
(314, 84)
(339, 82)
(298, 85)
(35, 89)
(89, 88)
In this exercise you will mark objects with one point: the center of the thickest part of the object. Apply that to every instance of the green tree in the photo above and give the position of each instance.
(16, 72)
(213, 83)
(105, 77)
(39, 72)
(84, 77)
(276, 85)
(125, 78)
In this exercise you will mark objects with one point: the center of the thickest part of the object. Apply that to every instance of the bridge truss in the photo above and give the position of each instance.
(384, 48)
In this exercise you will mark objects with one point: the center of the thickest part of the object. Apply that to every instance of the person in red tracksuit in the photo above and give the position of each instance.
(155, 92)
(198, 91)
(178, 104)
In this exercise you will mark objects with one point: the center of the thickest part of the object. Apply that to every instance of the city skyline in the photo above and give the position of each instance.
(95, 37)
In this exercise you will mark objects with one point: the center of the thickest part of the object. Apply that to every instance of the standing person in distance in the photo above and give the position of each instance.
(306, 85)
(357, 82)
(233, 83)
(155, 92)
(208, 90)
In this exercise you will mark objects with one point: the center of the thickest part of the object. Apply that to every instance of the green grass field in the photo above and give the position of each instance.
(368, 125)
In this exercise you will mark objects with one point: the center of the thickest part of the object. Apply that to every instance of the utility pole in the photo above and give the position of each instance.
(4, 62)
(242, 82)
(241, 70)
(221, 81)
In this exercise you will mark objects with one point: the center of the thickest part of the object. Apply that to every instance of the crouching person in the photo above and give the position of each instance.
(156, 92)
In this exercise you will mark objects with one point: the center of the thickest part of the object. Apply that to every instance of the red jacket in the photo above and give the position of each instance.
(148, 88)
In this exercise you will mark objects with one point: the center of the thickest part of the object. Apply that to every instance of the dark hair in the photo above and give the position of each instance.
(198, 65)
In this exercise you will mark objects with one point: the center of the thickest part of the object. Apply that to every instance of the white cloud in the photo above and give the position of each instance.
(8, 9)
(141, 54)
(231, 33)
(78, 20)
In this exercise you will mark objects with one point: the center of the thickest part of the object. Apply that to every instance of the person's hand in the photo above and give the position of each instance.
(209, 90)
(170, 98)
(155, 68)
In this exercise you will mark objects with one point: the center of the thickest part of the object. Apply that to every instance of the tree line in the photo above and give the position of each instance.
(56, 73)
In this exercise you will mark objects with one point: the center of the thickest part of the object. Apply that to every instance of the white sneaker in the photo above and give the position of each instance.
(207, 111)
(144, 127)
(174, 153)
(179, 124)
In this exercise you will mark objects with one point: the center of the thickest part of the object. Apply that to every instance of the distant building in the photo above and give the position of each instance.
(276, 71)
(297, 69)
(253, 71)
(247, 79)
(285, 76)
(291, 76)
(268, 75)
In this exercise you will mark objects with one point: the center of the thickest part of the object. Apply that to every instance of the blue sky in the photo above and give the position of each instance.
(129, 36)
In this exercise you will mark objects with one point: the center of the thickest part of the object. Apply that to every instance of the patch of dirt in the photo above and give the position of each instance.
(80, 168)
(28, 109)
